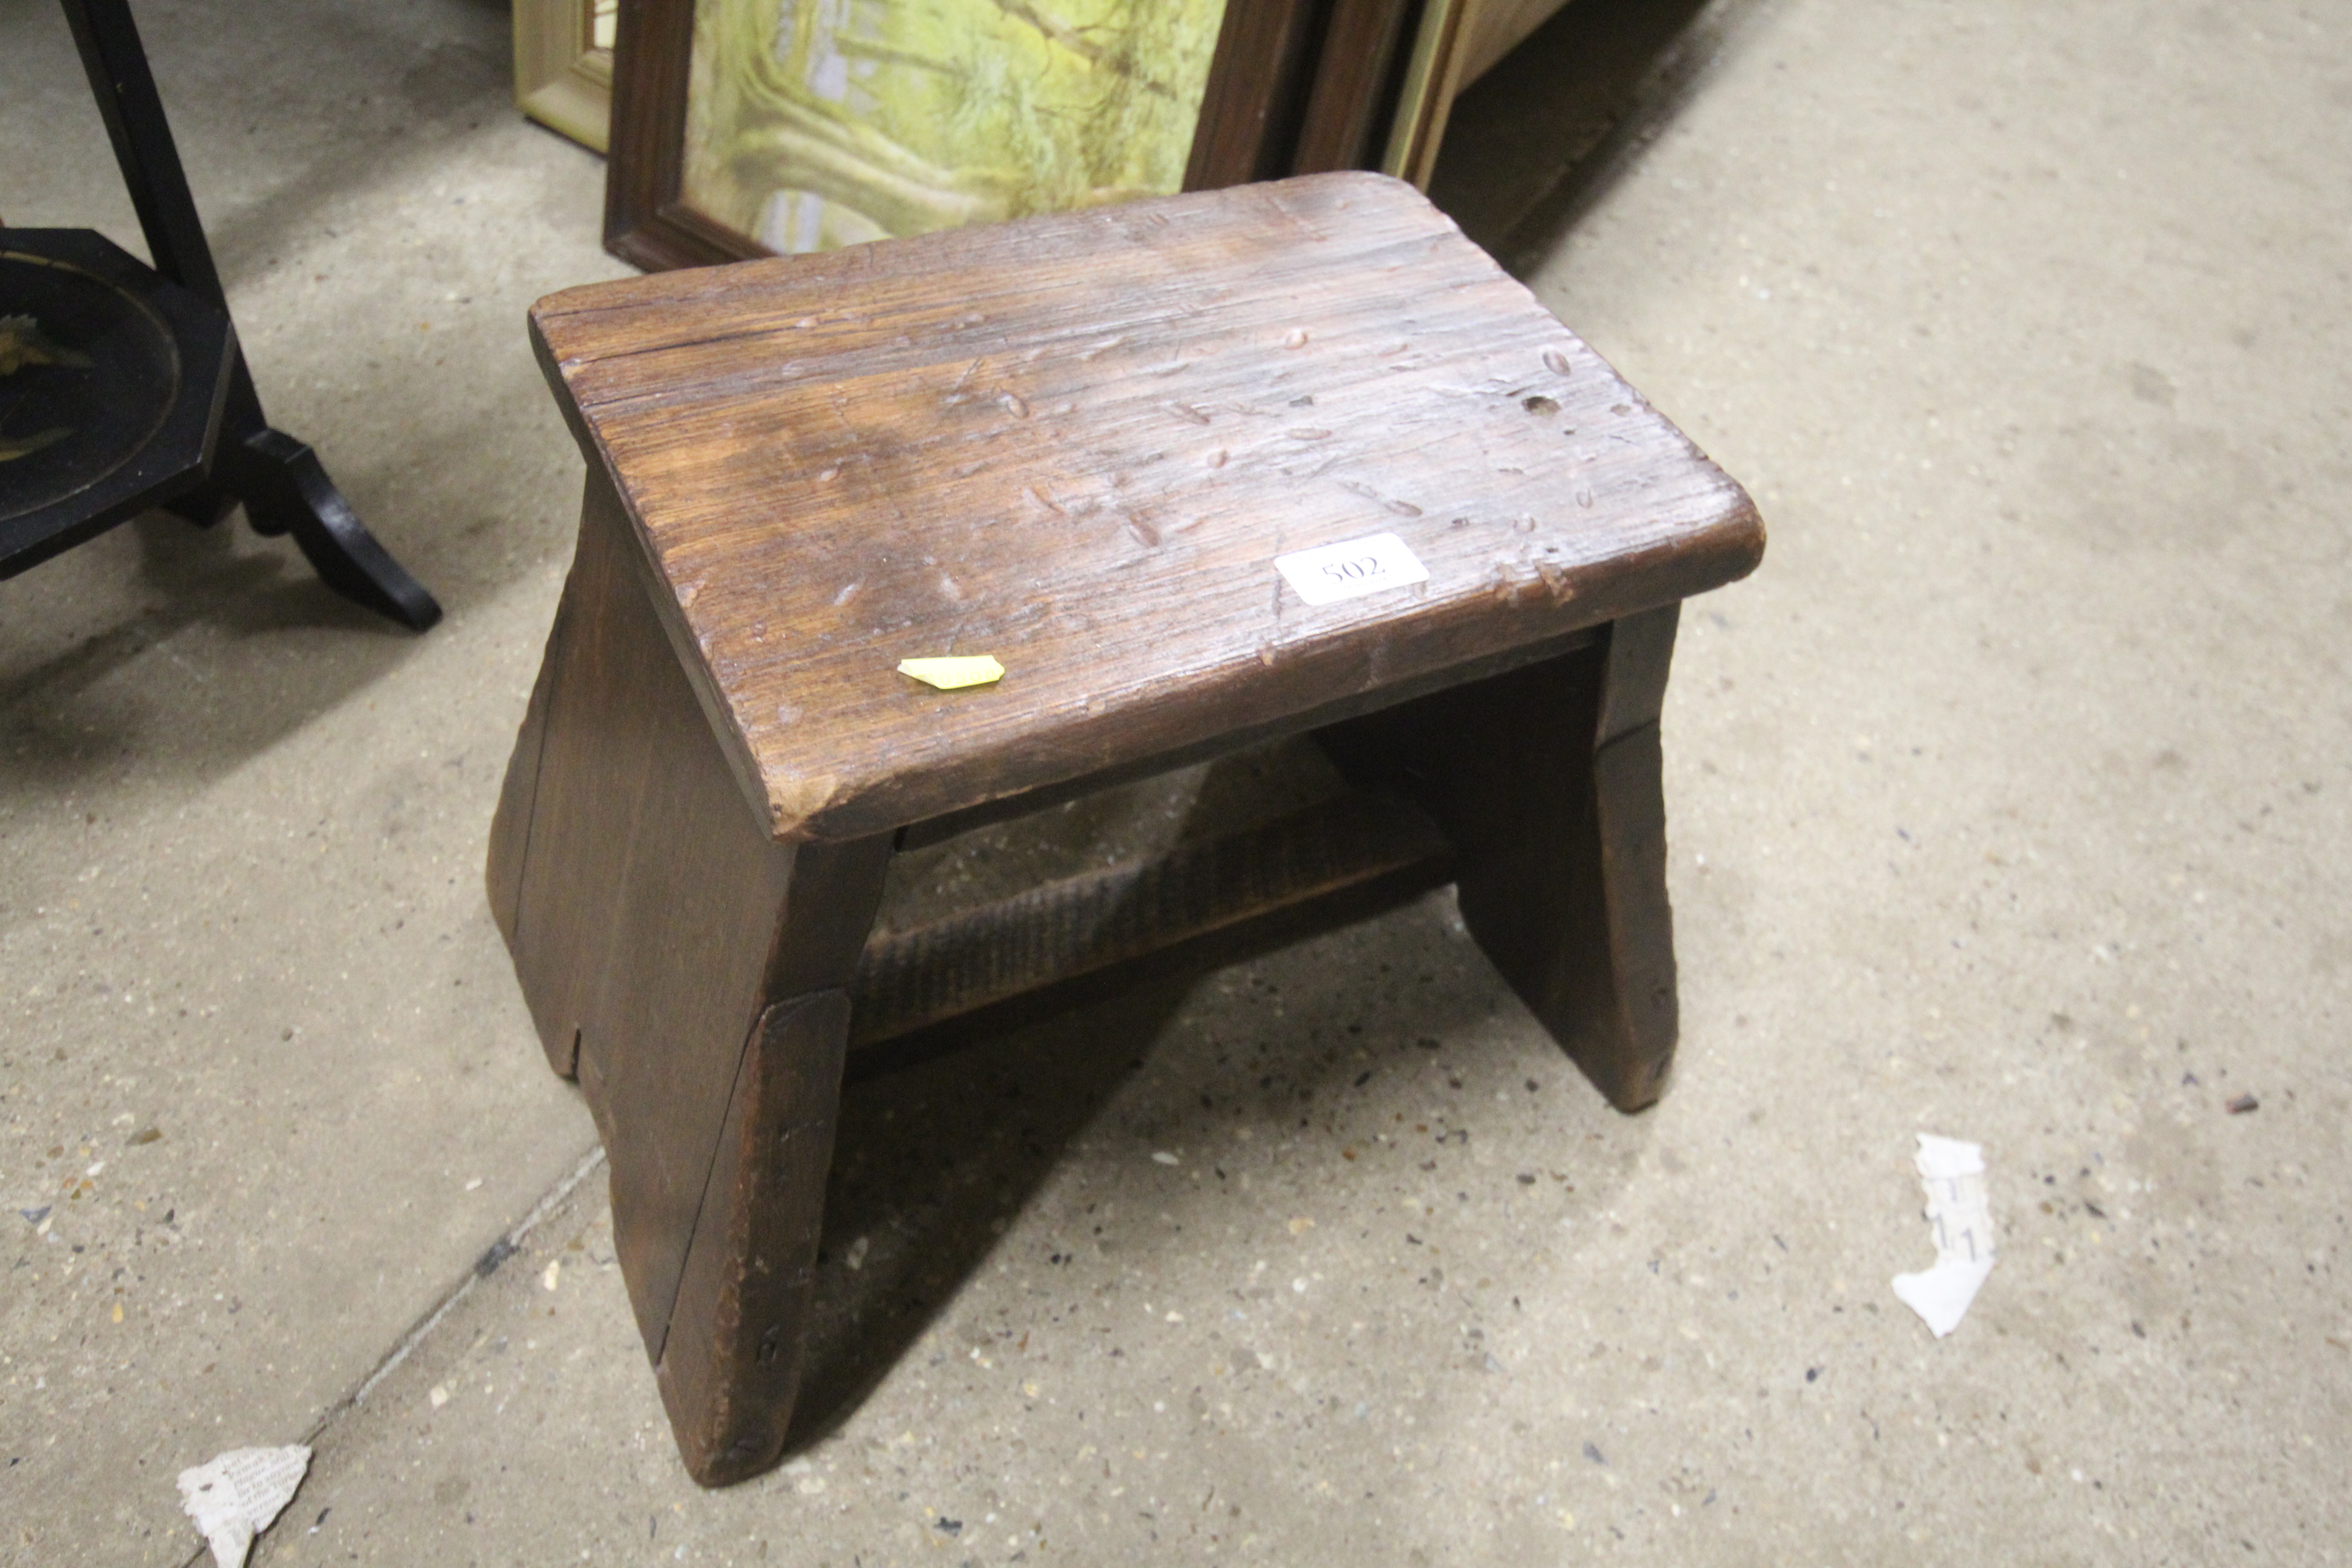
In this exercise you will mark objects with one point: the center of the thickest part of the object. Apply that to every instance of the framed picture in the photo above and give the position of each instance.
(563, 65)
(746, 127)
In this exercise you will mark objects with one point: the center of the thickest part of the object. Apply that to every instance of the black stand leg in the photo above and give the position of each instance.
(285, 490)
(280, 479)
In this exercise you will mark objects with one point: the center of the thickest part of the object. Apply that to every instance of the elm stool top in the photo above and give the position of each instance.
(1079, 445)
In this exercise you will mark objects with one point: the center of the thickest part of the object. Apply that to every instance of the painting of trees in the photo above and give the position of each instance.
(816, 123)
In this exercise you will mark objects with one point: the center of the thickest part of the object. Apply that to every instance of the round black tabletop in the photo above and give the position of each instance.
(110, 382)
(88, 373)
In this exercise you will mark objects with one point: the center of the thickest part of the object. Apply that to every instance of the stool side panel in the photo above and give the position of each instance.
(1622, 954)
(649, 897)
(510, 846)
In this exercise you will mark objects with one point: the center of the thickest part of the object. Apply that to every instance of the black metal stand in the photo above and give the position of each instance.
(276, 478)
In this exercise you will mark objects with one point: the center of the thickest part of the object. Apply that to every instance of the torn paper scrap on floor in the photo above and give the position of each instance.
(235, 1496)
(1957, 1211)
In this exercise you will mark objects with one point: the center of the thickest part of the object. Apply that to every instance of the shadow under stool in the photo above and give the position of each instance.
(1201, 472)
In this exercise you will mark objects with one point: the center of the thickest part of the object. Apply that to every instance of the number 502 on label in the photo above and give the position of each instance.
(1351, 568)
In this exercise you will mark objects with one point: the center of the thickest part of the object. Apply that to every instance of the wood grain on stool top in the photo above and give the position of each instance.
(1078, 443)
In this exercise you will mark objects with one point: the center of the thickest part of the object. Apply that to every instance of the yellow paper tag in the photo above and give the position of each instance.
(951, 674)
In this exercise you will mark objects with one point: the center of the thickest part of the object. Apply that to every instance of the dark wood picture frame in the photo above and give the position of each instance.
(1296, 86)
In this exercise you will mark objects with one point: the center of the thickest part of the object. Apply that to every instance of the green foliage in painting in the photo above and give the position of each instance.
(814, 123)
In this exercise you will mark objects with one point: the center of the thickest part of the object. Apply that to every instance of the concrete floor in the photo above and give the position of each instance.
(2008, 801)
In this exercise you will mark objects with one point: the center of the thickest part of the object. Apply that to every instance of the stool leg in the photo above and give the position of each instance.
(1547, 780)
(693, 973)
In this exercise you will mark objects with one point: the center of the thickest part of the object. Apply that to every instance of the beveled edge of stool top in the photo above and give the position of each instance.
(1079, 443)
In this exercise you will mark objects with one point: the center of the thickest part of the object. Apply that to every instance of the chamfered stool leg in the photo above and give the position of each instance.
(693, 973)
(1547, 780)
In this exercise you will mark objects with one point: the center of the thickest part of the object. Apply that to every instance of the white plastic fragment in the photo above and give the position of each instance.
(1953, 1171)
(235, 1496)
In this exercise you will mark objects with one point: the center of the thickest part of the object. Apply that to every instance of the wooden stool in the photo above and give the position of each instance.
(1108, 449)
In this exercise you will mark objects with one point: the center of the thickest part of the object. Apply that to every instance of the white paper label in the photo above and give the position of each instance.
(1331, 573)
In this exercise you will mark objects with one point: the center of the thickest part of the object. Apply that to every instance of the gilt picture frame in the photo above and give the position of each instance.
(563, 65)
